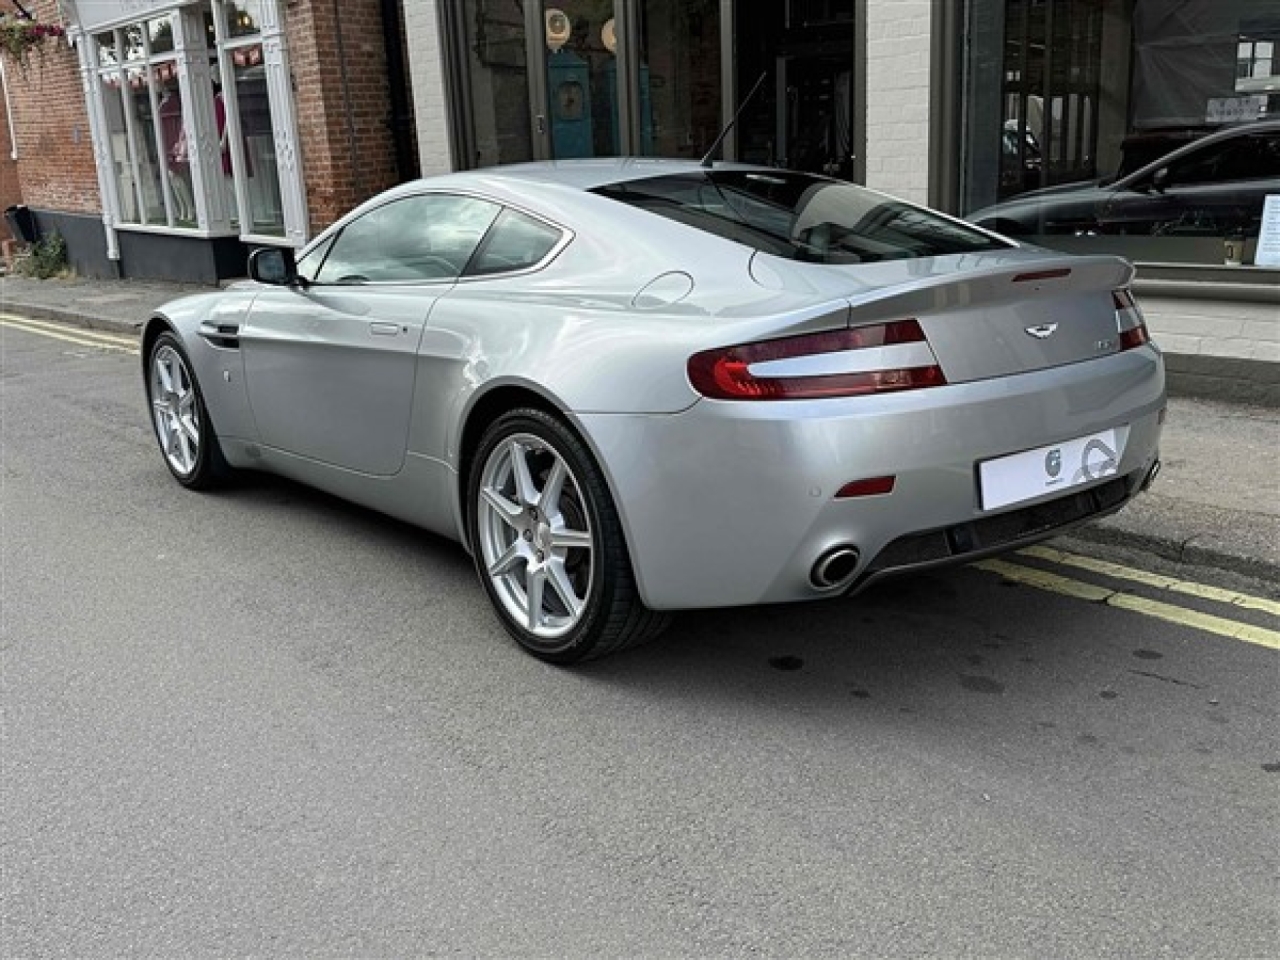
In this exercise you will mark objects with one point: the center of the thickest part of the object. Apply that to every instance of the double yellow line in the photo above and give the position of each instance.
(82, 338)
(1172, 613)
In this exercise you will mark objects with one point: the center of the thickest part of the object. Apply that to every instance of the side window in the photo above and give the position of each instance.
(1263, 159)
(1203, 166)
(426, 237)
(516, 242)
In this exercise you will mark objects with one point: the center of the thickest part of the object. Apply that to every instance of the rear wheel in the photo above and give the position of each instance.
(181, 421)
(548, 543)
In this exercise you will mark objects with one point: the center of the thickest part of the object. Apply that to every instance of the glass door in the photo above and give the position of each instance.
(679, 63)
(574, 78)
(559, 79)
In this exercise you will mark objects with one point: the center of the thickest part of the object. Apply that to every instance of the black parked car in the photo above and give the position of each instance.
(1215, 186)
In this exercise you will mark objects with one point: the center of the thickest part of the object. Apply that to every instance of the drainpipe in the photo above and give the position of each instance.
(101, 143)
(8, 112)
(398, 80)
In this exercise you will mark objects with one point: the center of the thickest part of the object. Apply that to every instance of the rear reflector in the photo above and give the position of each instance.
(871, 487)
(1129, 320)
(851, 362)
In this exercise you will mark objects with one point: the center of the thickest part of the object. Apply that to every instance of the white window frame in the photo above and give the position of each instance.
(191, 56)
(293, 199)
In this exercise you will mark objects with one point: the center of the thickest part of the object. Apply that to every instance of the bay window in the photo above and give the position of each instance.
(193, 118)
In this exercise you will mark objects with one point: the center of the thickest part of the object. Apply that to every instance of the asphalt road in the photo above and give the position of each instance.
(266, 723)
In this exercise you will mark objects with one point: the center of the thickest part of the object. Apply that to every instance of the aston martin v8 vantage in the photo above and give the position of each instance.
(629, 387)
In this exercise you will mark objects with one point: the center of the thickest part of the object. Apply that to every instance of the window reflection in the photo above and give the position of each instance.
(679, 77)
(108, 53)
(496, 61)
(243, 18)
(174, 144)
(256, 144)
(428, 237)
(1108, 120)
(160, 35)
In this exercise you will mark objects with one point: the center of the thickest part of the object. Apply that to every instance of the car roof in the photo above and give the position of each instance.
(588, 174)
(578, 175)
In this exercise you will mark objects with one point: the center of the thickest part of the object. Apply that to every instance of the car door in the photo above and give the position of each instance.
(330, 363)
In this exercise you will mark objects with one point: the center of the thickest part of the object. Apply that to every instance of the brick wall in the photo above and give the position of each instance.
(898, 77)
(55, 165)
(343, 103)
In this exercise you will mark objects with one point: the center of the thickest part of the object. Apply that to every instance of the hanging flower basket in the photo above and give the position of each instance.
(19, 37)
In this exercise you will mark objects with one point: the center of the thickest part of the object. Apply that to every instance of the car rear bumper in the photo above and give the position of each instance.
(730, 503)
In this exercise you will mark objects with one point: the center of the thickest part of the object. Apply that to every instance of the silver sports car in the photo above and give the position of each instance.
(635, 386)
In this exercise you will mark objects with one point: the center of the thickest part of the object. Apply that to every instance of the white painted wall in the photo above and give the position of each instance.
(426, 73)
(898, 77)
(1213, 328)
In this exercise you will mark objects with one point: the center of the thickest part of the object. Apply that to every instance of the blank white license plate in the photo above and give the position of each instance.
(1050, 469)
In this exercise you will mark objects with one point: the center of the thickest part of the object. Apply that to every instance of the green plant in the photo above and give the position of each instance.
(46, 258)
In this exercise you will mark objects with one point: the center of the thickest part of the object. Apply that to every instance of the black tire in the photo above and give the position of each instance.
(611, 615)
(195, 462)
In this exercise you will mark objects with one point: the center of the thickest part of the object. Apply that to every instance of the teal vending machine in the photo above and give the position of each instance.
(569, 87)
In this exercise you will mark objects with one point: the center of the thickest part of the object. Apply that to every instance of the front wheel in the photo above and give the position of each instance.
(181, 422)
(548, 543)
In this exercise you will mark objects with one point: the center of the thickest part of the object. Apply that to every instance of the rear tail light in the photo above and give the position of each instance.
(1129, 321)
(852, 362)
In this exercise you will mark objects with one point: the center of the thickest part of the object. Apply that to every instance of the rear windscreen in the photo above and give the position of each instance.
(801, 217)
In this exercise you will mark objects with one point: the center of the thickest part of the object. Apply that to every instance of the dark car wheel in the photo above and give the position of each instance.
(181, 422)
(548, 543)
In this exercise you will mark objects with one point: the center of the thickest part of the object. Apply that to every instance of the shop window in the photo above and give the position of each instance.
(801, 118)
(496, 73)
(679, 77)
(246, 135)
(195, 147)
(145, 133)
(1149, 121)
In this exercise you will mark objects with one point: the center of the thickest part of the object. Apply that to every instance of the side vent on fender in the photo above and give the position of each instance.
(226, 336)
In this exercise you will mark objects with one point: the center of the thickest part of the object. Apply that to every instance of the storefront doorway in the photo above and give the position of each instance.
(802, 118)
(560, 79)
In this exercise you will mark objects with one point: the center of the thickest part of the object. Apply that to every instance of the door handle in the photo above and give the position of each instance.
(541, 122)
(384, 329)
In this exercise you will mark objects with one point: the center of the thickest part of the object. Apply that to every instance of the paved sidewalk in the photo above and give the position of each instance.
(1216, 501)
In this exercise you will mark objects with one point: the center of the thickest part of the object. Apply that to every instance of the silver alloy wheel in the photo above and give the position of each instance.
(535, 537)
(177, 416)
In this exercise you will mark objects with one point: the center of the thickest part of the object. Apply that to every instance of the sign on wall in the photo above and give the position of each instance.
(1235, 109)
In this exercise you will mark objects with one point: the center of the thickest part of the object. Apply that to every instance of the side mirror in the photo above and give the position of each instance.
(273, 265)
(1160, 180)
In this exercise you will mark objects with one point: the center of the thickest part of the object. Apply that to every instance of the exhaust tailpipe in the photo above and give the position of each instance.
(835, 568)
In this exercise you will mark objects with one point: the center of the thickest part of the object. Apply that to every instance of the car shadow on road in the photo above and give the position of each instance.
(961, 653)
